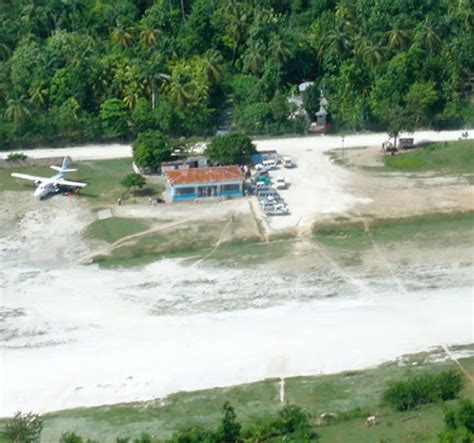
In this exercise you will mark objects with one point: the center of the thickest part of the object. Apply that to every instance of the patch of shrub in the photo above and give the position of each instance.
(290, 424)
(23, 427)
(459, 423)
(16, 156)
(403, 395)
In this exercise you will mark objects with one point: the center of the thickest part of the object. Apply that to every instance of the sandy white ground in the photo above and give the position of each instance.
(98, 341)
(75, 336)
(325, 142)
(319, 187)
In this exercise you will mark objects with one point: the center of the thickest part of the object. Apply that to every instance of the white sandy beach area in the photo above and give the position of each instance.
(84, 337)
(75, 335)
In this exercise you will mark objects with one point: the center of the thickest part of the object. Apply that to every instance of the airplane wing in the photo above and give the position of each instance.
(70, 183)
(32, 178)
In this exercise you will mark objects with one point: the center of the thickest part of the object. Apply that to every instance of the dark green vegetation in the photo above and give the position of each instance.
(404, 395)
(231, 149)
(24, 428)
(133, 180)
(450, 157)
(459, 423)
(257, 404)
(431, 229)
(115, 228)
(150, 149)
(16, 156)
(109, 69)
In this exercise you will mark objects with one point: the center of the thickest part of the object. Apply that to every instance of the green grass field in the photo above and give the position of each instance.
(450, 157)
(115, 228)
(352, 395)
(197, 241)
(102, 178)
(430, 229)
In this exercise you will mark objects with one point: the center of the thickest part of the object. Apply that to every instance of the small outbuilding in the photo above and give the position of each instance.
(185, 163)
(194, 183)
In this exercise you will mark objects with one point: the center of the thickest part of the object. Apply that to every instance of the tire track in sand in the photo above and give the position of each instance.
(108, 249)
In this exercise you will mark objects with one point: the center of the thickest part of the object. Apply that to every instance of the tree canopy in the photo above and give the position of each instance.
(23, 427)
(133, 180)
(150, 149)
(100, 70)
(231, 149)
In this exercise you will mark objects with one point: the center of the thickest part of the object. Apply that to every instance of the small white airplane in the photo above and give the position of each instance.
(53, 184)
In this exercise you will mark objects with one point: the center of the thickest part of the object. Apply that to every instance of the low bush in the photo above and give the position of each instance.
(16, 156)
(459, 421)
(403, 395)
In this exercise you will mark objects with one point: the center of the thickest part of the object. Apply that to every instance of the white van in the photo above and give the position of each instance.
(269, 164)
(287, 163)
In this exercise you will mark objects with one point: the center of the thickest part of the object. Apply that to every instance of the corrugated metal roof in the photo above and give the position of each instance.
(204, 175)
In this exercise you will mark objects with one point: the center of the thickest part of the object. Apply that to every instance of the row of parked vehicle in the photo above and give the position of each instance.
(267, 193)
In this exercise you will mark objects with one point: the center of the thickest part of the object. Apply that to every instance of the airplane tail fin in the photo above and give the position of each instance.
(63, 169)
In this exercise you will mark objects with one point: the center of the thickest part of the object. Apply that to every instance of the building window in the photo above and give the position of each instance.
(184, 191)
(231, 188)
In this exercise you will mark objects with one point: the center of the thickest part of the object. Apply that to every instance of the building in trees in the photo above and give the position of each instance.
(185, 163)
(191, 184)
(323, 119)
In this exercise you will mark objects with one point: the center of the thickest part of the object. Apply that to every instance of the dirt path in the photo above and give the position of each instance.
(383, 259)
(468, 375)
(108, 249)
(218, 243)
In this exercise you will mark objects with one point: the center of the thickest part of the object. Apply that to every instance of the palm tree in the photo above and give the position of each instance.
(237, 17)
(338, 41)
(343, 15)
(17, 110)
(279, 49)
(254, 58)
(4, 51)
(212, 65)
(153, 72)
(131, 96)
(371, 53)
(37, 96)
(397, 37)
(465, 13)
(428, 37)
(179, 90)
(148, 36)
(123, 36)
(4, 90)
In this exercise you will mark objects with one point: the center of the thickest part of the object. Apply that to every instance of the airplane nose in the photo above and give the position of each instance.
(39, 192)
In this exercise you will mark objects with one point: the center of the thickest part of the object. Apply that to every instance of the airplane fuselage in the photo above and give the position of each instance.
(47, 187)
(44, 189)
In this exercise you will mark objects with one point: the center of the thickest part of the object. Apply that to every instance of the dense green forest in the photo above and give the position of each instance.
(91, 70)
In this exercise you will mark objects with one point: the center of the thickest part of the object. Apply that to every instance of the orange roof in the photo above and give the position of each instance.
(204, 175)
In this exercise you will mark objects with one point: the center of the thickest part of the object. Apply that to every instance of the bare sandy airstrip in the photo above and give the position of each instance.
(74, 334)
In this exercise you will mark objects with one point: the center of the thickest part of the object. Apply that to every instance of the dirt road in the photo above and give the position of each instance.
(325, 142)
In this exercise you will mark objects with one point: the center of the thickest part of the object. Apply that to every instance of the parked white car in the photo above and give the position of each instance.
(287, 162)
(280, 183)
(276, 209)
